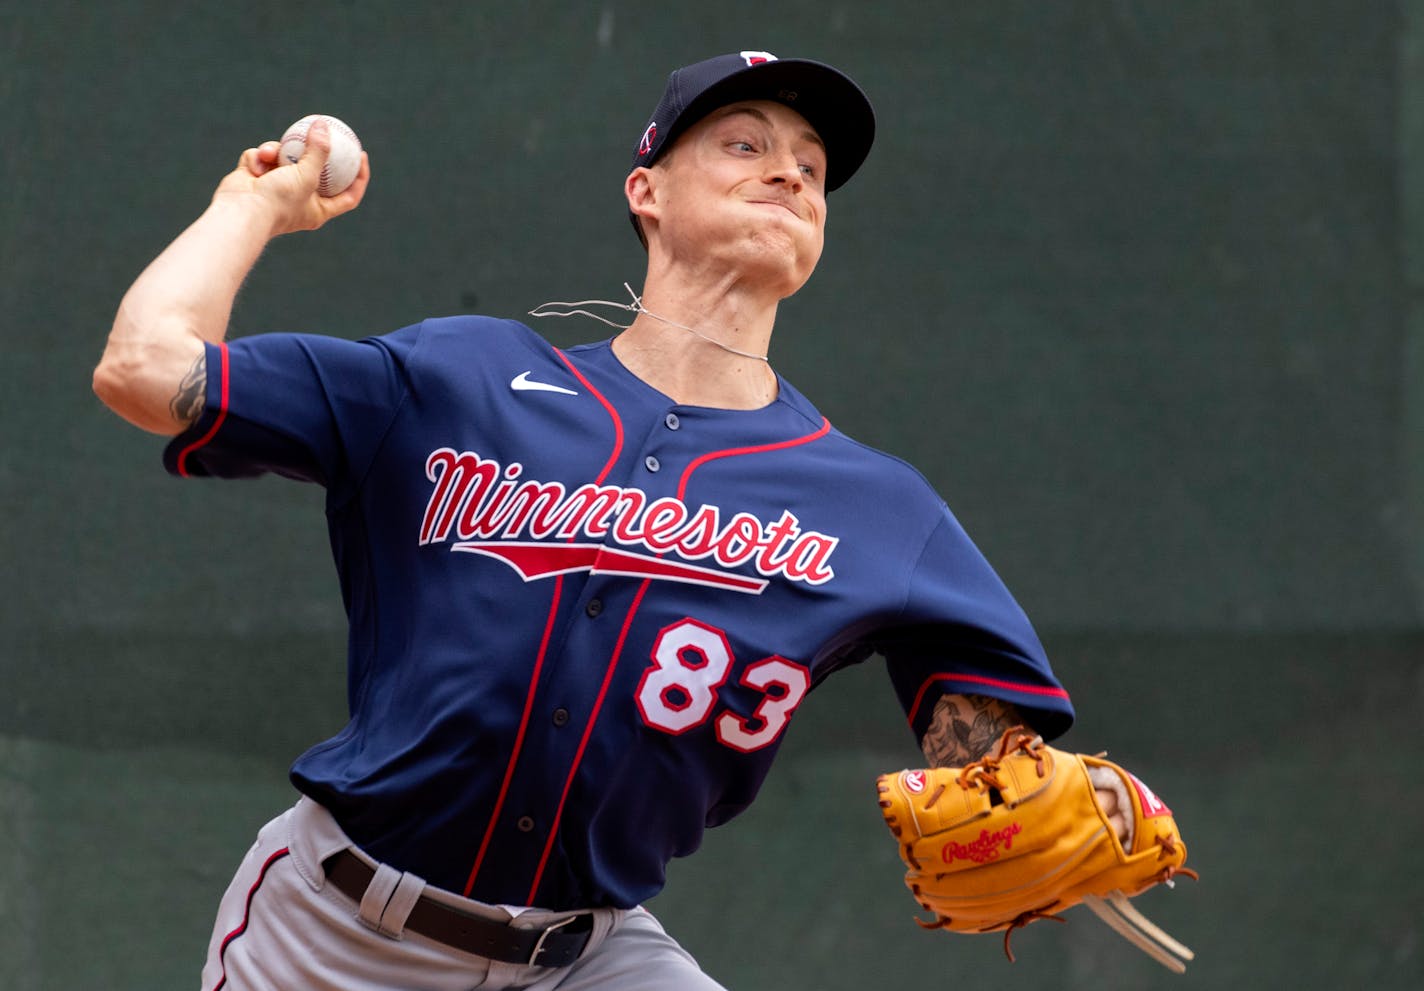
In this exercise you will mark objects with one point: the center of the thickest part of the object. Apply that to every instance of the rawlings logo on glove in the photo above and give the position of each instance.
(983, 849)
(1019, 836)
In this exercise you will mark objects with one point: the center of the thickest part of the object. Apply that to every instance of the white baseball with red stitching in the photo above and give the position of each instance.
(345, 160)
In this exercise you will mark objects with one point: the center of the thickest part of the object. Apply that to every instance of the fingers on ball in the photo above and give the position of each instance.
(333, 146)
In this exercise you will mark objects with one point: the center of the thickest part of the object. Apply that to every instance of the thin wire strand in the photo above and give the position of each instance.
(538, 311)
(634, 307)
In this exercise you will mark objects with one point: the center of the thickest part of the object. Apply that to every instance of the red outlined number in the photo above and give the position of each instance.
(785, 684)
(691, 663)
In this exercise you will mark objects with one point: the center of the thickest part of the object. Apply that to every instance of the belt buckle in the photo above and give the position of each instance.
(539, 946)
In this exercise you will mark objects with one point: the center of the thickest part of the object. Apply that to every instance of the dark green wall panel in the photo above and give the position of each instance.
(1134, 283)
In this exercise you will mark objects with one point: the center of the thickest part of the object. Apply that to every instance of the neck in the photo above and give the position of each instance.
(702, 346)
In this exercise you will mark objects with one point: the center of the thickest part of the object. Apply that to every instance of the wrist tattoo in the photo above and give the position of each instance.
(187, 404)
(965, 727)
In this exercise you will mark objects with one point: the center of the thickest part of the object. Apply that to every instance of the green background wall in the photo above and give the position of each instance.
(1135, 284)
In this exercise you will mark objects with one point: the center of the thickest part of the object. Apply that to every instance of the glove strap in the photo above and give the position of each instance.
(1141, 932)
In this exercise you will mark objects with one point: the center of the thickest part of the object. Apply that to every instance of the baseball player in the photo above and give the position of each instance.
(587, 588)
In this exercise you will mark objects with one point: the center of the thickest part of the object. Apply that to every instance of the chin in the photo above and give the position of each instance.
(783, 258)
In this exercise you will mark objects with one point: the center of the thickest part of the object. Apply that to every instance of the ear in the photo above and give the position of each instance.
(641, 190)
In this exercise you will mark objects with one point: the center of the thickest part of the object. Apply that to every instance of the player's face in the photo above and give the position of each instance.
(747, 184)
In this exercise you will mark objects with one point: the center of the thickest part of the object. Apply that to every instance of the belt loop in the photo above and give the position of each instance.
(403, 899)
(378, 893)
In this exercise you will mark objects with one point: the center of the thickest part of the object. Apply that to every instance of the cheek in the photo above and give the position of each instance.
(818, 239)
(813, 255)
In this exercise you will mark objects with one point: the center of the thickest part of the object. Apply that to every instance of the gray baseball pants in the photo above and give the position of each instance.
(281, 927)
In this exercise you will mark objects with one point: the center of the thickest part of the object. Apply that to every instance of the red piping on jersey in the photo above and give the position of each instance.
(543, 646)
(217, 422)
(612, 414)
(587, 735)
(246, 914)
(732, 451)
(519, 737)
(976, 679)
(824, 429)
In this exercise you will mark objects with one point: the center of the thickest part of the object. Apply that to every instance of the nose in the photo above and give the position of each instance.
(785, 170)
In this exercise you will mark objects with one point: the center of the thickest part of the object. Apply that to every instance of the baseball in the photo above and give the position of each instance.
(345, 160)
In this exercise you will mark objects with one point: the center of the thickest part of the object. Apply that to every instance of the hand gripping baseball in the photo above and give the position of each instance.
(289, 192)
(1020, 835)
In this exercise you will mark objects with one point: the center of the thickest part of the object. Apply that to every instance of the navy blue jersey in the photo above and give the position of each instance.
(582, 615)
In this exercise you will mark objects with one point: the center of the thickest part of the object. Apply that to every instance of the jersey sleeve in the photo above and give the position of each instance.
(962, 632)
(304, 406)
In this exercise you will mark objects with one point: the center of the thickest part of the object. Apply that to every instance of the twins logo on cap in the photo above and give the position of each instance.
(757, 58)
(646, 144)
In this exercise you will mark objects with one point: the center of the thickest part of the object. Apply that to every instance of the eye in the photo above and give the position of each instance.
(745, 146)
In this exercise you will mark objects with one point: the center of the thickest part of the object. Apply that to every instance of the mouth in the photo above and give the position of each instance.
(777, 205)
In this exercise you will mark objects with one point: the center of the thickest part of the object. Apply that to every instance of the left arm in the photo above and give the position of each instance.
(966, 727)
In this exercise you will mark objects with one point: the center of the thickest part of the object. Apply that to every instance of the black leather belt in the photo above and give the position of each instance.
(554, 946)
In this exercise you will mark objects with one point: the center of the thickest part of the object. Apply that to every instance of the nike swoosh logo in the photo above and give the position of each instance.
(522, 383)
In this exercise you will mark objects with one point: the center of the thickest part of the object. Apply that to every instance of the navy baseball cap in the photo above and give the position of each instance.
(830, 101)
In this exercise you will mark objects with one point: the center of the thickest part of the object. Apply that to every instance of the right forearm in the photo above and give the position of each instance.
(181, 300)
(191, 286)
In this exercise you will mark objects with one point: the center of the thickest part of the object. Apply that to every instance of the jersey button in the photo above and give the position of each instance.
(672, 421)
(525, 824)
(651, 463)
(561, 716)
(594, 607)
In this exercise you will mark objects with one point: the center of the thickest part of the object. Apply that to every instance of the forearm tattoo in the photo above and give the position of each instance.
(187, 404)
(965, 727)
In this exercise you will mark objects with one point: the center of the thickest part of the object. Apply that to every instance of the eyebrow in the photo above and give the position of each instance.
(809, 134)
